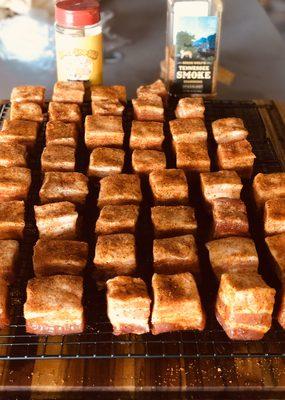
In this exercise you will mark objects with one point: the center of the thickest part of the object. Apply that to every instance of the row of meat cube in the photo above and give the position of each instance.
(25, 100)
(269, 194)
(15, 184)
(106, 130)
(238, 256)
(128, 301)
(235, 261)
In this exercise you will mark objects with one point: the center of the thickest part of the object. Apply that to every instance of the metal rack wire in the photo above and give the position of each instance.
(97, 341)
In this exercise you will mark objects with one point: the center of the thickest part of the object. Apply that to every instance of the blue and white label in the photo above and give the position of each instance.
(195, 39)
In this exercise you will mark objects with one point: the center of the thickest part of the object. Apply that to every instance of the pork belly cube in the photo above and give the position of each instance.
(227, 130)
(13, 155)
(9, 253)
(172, 293)
(64, 186)
(117, 219)
(61, 133)
(103, 131)
(229, 218)
(115, 255)
(268, 186)
(232, 254)
(281, 310)
(192, 130)
(173, 220)
(244, 305)
(276, 246)
(19, 132)
(193, 157)
(109, 93)
(54, 305)
(157, 87)
(110, 107)
(175, 254)
(28, 94)
(64, 112)
(12, 220)
(128, 305)
(189, 107)
(59, 257)
(220, 184)
(105, 161)
(57, 220)
(119, 190)
(15, 183)
(146, 135)
(149, 108)
(4, 304)
(146, 161)
(26, 111)
(68, 92)
(236, 156)
(58, 158)
(274, 216)
(169, 186)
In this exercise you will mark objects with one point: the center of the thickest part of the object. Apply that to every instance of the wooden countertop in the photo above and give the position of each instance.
(135, 375)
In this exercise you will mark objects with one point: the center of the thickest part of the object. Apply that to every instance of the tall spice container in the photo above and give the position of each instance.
(78, 36)
(193, 45)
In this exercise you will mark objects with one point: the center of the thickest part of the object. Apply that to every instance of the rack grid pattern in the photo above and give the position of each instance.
(98, 341)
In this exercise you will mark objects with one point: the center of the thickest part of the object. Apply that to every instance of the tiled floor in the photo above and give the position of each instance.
(276, 11)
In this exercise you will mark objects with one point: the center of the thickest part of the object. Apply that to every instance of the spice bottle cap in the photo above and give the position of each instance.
(77, 13)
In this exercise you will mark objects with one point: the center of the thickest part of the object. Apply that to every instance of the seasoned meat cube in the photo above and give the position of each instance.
(26, 112)
(54, 305)
(64, 112)
(120, 189)
(128, 305)
(172, 293)
(232, 254)
(64, 186)
(148, 108)
(146, 135)
(188, 130)
(12, 220)
(117, 219)
(268, 186)
(68, 92)
(222, 184)
(236, 156)
(173, 220)
(103, 131)
(115, 255)
(175, 254)
(227, 130)
(57, 220)
(59, 257)
(105, 161)
(190, 108)
(244, 306)
(146, 161)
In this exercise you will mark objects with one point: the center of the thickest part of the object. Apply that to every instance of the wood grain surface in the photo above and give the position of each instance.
(151, 378)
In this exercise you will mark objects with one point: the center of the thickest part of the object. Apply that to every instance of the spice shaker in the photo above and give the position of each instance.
(193, 44)
(78, 37)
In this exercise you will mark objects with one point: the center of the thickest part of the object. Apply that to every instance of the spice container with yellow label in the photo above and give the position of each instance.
(78, 36)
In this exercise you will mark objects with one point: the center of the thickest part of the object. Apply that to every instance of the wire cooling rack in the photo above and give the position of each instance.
(97, 341)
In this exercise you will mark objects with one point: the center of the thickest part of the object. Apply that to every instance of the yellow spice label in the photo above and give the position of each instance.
(80, 58)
